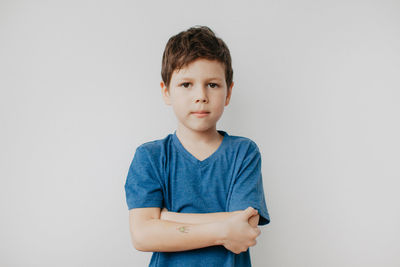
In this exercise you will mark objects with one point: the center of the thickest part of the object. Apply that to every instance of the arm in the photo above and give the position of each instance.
(248, 187)
(149, 233)
(199, 218)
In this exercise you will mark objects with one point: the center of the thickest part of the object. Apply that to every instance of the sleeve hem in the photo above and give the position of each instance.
(264, 215)
(152, 204)
(264, 220)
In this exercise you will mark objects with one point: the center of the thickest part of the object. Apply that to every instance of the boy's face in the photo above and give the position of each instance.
(200, 86)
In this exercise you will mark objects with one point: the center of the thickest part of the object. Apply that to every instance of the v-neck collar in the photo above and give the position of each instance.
(192, 158)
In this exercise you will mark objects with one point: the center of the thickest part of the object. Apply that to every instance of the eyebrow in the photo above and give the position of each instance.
(213, 78)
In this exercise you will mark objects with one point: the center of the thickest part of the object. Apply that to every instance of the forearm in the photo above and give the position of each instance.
(196, 218)
(168, 236)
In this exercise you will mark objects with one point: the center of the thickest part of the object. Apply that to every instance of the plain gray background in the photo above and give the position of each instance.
(316, 87)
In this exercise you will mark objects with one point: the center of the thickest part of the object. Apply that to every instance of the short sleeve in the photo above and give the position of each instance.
(248, 186)
(142, 187)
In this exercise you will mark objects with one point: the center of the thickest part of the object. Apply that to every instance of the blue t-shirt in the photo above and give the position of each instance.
(164, 174)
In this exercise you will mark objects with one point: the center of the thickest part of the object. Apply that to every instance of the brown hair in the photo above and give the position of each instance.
(187, 46)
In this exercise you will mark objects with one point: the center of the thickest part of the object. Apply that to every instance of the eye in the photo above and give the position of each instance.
(213, 85)
(185, 85)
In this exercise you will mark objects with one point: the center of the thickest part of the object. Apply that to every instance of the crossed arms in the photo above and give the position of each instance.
(153, 229)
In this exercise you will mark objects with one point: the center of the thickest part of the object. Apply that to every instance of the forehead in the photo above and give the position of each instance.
(201, 68)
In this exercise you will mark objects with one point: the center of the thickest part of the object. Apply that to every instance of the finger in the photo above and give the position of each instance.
(258, 231)
(250, 211)
(254, 211)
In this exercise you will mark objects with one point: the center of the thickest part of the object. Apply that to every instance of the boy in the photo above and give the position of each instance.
(196, 197)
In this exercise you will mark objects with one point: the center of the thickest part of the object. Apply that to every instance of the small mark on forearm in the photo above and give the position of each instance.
(183, 229)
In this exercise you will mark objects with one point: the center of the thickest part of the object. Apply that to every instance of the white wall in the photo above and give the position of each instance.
(316, 86)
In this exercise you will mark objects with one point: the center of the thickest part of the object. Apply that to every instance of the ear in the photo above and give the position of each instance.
(165, 93)
(229, 94)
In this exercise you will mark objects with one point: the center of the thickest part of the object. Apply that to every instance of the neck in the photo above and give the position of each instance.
(198, 137)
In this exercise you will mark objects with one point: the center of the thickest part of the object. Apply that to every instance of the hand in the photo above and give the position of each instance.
(239, 235)
(253, 221)
(163, 214)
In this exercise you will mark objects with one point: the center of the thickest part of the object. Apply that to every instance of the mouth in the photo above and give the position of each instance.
(200, 114)
(200, 111)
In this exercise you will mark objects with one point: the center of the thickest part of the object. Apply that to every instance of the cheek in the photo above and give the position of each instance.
(180, 107)
(220, 99)
(221, 93)
(182, 104)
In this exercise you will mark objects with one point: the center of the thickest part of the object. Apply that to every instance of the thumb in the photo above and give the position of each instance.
(250, 211)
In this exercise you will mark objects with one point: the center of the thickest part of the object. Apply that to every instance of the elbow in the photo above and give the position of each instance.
(136, 244)
(140, 241)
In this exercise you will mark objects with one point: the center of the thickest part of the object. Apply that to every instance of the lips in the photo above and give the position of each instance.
(200, 115)
(201, 112)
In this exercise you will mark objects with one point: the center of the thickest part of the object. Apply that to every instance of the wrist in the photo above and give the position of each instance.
(220, 232)
(223, 228)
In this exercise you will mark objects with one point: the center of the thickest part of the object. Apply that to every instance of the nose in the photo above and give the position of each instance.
(201, 95)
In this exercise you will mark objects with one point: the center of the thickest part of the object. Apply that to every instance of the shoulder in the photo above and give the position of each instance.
(154, 148)
(243, 144)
